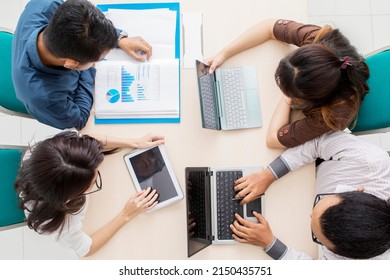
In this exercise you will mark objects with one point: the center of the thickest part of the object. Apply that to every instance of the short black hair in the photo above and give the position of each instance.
(359, 226)
(78, 30)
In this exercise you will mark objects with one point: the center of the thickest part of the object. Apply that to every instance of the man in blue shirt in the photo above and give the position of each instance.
(55, 46)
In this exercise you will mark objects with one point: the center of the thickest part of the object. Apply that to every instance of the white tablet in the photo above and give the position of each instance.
(151, 168)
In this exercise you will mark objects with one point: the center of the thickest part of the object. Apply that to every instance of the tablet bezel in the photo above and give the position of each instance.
(170, 170)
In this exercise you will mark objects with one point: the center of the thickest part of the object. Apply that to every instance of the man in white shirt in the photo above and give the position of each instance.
(353, 191)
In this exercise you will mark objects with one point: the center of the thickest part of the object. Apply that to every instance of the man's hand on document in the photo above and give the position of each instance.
(136, 47)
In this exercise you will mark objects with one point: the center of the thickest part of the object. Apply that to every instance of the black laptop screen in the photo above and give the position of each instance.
(198, 210)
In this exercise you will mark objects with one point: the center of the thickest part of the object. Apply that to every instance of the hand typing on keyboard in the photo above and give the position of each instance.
(259, 234)
(225, 192)
(252, 186)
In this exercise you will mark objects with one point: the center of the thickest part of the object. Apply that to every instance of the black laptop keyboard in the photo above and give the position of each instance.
(209, 108)
(226, 207)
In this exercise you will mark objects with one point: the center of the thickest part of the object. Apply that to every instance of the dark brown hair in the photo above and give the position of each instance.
(51, 182)
(313, 75)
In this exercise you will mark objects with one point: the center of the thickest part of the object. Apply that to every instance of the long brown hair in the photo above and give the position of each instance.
(51, 182)
(315, 75)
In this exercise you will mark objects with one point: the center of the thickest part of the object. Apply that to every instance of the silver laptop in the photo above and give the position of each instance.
(211, 205)
(229, 98)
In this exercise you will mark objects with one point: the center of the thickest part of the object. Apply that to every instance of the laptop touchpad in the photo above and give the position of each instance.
(254, 205)
(252, 100)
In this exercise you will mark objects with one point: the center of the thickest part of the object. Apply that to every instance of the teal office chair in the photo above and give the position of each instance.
(9, 104)
(10, 214)
(374, 113)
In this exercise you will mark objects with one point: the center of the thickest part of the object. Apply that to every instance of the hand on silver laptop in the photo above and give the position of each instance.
(259, 234)
(254, 185)
(215, 61)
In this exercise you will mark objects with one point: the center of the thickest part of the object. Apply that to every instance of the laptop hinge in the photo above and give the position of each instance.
(210, 237)
(209, 173)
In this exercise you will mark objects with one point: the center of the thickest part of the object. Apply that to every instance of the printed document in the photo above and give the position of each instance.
(125, 88)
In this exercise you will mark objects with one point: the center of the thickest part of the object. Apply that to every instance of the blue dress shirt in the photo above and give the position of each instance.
(58, 97)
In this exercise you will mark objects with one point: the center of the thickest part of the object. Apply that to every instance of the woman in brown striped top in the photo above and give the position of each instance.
(324, 77)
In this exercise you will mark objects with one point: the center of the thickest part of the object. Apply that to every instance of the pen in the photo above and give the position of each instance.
(241, 198)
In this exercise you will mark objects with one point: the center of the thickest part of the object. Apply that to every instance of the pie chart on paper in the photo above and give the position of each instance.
(113, 95)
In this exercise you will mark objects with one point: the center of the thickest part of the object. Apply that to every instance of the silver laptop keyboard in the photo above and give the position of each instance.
(234, 98)
(208, 102)
(226, 206)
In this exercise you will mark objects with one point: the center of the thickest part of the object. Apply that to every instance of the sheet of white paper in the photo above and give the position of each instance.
(126, 89)
(157, 27)
(159, 52)
(192, 37)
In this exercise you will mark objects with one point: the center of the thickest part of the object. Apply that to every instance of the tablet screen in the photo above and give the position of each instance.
(151, 171)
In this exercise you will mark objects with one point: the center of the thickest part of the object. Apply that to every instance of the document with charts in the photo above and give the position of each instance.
(131, 91)
(125, 89)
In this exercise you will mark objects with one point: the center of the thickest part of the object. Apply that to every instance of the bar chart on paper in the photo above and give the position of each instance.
(137, 90)
(139, 84)
(143, 87)
(127, 82)
(127, 91)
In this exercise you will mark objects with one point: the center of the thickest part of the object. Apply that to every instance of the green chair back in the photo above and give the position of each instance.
(8, 98)
(374, 112)
(10, 214)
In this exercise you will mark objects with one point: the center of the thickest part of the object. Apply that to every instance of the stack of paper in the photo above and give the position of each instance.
(137, 90)
(127, 89)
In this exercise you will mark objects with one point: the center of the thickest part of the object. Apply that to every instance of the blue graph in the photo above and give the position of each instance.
(127, 80)
(112, 95)
(141, 93)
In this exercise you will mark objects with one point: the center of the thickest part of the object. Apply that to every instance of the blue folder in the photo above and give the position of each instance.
(173, 6)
